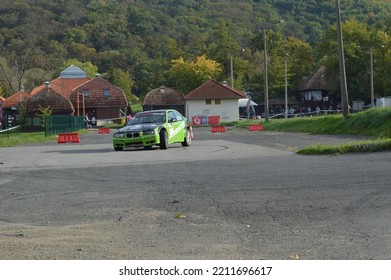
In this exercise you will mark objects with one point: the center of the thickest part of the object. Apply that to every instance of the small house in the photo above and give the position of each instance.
(48, 98)
(100, 99)
(314, 88)
(212, 103)
(93, 96)
(10, 107)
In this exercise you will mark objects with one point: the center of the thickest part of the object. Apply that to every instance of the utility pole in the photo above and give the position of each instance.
(266, 26)
(342, 71)
(232, 73)
(286, 88)
(372, 85)
(266, 87)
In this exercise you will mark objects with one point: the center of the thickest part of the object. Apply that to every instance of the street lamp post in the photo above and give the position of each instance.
(371, 74)
(232, 68)
(266, 87)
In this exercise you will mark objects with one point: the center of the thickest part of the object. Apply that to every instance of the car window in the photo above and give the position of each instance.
(171, 117)
(178, 116)
(134, 120)
(148, 118)
(159, 118)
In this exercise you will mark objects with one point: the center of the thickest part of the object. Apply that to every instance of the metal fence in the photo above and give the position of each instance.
(58, 124)
(9, 132)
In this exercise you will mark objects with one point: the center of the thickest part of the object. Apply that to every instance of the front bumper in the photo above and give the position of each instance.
(136, 140)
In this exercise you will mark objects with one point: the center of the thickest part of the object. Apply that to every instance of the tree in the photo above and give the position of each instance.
(43, 113)
(187, 76)
(300, 58)
(360, 40)
(124, 81)
(223, 46)
(90, 69)
(81, 52)
(16, 64)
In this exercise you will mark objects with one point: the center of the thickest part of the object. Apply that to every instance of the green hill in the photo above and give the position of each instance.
(141, 38)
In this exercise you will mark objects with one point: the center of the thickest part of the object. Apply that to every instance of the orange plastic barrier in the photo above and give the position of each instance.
(218, 128)
(104, 130)
(255, 127)
(68, 137)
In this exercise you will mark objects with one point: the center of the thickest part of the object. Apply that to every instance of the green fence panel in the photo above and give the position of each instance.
(36, 121)
(61, 124)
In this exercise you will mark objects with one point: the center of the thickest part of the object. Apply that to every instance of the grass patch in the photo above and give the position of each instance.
(113, 125)
(242, 123)
(374, 123)
(18, 138)
(376, 145)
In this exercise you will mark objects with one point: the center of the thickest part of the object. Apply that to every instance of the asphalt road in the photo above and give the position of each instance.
(232, 195)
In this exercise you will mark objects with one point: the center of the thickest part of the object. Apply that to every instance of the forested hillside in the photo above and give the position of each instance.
(135, 43)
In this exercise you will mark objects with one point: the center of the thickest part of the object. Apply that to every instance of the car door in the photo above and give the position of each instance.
(181, 126)
(175, 125)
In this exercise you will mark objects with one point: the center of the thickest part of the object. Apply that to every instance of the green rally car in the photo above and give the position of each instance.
(150, 128)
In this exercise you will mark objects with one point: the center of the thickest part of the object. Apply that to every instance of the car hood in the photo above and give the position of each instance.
(138, 127)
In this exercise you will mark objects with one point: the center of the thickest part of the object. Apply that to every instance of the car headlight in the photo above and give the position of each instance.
(149, 132)
(118, 135)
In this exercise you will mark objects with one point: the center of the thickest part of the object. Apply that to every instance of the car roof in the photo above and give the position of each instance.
(155, 111)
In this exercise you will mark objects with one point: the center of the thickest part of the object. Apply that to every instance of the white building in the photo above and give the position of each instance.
(383, 102)
(212, 103)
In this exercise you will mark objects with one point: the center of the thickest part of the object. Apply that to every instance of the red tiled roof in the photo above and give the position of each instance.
(215, 90)
(96, 97)
(48, 97)
(63, 86)
(15, 99)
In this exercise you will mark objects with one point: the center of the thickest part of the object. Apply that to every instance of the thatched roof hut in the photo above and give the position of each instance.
(164, 98)
(315, 87)
(315, 82)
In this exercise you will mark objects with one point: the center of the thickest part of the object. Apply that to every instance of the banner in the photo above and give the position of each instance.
(196, 121)
(194, 269)
(204, 120)
(213, 120)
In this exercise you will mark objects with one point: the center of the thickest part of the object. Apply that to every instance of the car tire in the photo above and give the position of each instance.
(163, 139)
(187, 140)
(118, 148)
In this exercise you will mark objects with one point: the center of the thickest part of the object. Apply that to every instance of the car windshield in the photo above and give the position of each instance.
(148, 118)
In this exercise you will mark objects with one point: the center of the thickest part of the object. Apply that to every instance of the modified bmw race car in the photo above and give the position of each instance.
(150, 128)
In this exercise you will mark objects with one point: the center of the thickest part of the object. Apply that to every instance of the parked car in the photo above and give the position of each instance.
(153, 128)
